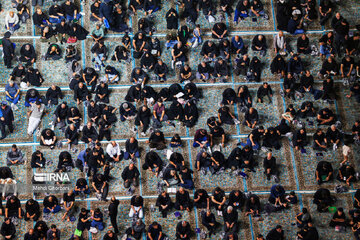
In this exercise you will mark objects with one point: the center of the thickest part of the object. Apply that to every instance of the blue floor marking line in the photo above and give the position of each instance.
(126, 86)
(191, 167)
(273, 13)
(293, 156)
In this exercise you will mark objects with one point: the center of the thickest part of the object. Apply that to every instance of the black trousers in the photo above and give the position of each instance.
(114, 223)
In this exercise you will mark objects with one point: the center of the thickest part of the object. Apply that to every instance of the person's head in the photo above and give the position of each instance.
(39, 11)
(83, 210)
(217, 190)
(357, 123)
(110, 233)
(132, 140)
(260, 37)
(333, 127)
(176, 136)
(229, 209)
(338, 15)
(157, 133)
(27, 47)
(269, 154)
(38, 104)
(7, 220)
(347, 58)
(340, 210)
(265, 85)
(329, 34)
(208, 212)
(131, 166)
(48, 132)
(278, 228)
(155, 225)
(181, 190)
(31, 231)
(210, 43)
(302, 130)
(281, 33)
(97, 210)
(186, 67)
(159, 102)
(303, 36)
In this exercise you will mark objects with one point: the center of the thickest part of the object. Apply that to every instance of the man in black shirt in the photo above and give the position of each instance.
(95, 11)
(209, 221)
(333, 136)
(183, 230)
(155, 232)
(325, 10)
(231, 222)
(303, 45)
(324, 172)
(32, 210)
(347, 68)
(183, 201)
(90, 134)
(100, 185)
(201, 199)
(113, 211)
(130, 175)
(355, 91)
(276, 234)
(264, 90)
(320, 141)
(164, 203)
(8, 229)
(217, 132)
(325, 117)
(270, 167)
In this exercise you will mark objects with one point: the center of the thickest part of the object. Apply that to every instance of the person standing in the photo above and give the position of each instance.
(8, 49)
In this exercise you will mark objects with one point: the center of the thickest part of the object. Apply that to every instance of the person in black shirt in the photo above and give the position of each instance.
(28, 54)
(219, 30)
(102, 93)
(329, 67)
(333, 136)
(259, 44)
(231, 222)
(253, 205)
(270, 166)
(299, 139)
(320, 140)
(251, 118)
(8, 229)
(306, 110)
(352, 44)
(164, 203)
(186, 74)
(18, 73)
(355, 91)
(209, 221)
(324, 172)
(325, 117)
(185, 177)
(100, 185)
(53, 94)
(172, 19)
(69, 205)
(276, 233)
(60, 114)
(48, 138)
(183, 201)
(328, 89)
(264, 90)
(218, 199)
(84, 220)
(338, 219)
(95, 11)
(30, 235)
(346, 174)
(183, 230)
(209, 50)
(32, 210)
(225, 116)
(303, 45)
(236, 199)
(70, 11)
(51, 204)
(130, 175)
(155, 232)
(113, 212)
(278, 65)
(90, 134)
(325, 10)
(161, 70)
(143, 119)
(347, 68)
(272, 138)
(242, 65)
(217, 132)
(157, 140)
(13, 208)
(201, 199)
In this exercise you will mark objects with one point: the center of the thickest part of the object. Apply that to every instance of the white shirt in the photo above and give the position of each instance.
(111, 150)
(14, 19)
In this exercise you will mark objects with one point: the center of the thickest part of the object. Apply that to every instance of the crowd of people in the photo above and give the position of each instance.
(149, 109)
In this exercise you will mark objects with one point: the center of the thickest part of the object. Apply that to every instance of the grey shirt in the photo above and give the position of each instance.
(37, 112)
